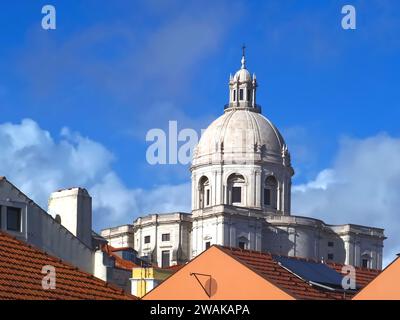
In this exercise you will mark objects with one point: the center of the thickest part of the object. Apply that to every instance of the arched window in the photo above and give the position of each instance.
(270, 192)
(236, 189)
(204, 192)
(234, 95)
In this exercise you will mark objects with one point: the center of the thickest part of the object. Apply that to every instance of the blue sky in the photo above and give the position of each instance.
(113, 70)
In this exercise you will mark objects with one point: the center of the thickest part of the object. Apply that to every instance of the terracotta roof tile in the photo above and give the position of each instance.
(119, 262)
(363, 275)
(268, 268)
(21, 276)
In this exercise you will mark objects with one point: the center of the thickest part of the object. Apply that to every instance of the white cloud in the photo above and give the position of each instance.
(322, 181)
(362, 187)
(38, 164)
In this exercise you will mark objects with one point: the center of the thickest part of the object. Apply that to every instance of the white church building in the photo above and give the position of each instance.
(241, 197)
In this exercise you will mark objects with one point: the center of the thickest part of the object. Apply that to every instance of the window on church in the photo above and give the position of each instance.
(364, 263)
(271, 192)
(267, 197)
(236, 190)
(236, 194)
(330, 256)
(14, 219)
(234, 95)
(147, 239)
(208, 244)
(165, 237)
(204, 192)
(248, 95)
(241, 94)
(242, 245)
(330, 243)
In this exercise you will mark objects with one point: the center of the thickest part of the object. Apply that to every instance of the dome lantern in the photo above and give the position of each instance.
(242, 88)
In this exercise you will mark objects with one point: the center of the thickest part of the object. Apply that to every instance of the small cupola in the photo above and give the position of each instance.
(242, 88)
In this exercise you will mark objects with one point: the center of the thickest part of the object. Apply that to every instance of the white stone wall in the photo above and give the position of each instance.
(312, 238)
(252, 191)
(104, 268)
(119, 237)
(74, 209)
(42, 231)
(177, 225)
(226, 225)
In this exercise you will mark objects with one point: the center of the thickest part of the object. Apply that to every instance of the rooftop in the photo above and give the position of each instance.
(21, 276)
(268, 267)
(119, 262)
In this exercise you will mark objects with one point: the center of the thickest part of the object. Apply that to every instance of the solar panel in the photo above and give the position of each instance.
(312, 271)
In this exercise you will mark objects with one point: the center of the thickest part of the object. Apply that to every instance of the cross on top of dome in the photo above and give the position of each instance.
(243, 57)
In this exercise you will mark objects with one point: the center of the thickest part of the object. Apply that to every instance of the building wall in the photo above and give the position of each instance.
(177, 225)
(146, 279)
(312, 238)
(252, 191)
(119, 237)
(104, 268)
(73, 207)
(218, 227)
(286, 235)
(42, 231)
(361, 246)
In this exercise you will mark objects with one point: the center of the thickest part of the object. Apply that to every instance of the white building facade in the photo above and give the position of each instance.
(241, 196)
(163, 239)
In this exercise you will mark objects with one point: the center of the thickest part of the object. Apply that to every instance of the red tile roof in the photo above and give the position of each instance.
(264, 264)
(21, 276)
(119, 262)
(363, 275)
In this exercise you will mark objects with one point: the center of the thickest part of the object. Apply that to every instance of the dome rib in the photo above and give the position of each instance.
(254, 129)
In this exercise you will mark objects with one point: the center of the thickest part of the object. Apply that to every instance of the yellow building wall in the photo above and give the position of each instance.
(144, 275)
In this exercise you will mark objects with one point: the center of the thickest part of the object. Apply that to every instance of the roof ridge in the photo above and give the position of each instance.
(290, 289)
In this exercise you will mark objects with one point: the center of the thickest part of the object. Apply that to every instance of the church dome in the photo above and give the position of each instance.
(242, 75)
(241, 131)
(242, 134)
(241, 159)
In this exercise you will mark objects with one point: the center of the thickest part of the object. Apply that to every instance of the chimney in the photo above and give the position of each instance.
(73, 209)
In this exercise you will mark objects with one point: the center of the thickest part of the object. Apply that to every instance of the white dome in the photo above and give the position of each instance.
(240, 131)
(242, 75)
